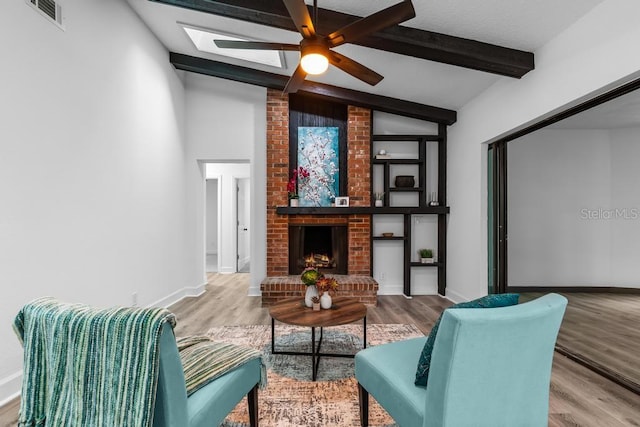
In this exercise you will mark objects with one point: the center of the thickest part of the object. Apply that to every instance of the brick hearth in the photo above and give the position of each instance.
(278, 284)
(364, 288)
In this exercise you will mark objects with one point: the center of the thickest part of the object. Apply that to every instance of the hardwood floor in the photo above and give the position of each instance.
(602, 329)
(578, 397)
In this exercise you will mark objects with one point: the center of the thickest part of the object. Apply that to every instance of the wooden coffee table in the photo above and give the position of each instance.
(293, 311)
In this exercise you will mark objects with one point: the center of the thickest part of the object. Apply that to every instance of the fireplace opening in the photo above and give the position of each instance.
(320, 246)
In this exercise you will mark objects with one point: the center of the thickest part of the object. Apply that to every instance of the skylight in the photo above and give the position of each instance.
(203, 41)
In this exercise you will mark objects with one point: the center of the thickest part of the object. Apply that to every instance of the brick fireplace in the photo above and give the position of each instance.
(280, 281)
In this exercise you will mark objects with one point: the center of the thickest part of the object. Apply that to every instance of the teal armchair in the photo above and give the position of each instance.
(121, 366)
(208, 406)
(490, 367)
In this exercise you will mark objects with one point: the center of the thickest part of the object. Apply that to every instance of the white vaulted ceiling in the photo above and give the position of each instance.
(517, 24)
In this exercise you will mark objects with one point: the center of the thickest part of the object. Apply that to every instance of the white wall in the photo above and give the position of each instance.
(212, 216)
(92, 204)
(555, 179)
(590, 57)
(226, 121)
(227, 173)
(574, 208)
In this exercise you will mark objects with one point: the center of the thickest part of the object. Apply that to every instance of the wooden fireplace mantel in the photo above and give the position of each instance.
(361, 210)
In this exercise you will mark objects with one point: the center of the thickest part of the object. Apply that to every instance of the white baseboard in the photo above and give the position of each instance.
(455, 297)
(390, 290)
(399, 290)
(179, 294)
(10, 387)
(227, 270)
(254, 291)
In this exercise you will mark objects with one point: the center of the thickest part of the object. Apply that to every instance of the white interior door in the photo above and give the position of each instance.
(243, 224)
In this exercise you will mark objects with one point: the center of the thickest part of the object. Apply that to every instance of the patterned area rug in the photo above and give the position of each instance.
(291, 398)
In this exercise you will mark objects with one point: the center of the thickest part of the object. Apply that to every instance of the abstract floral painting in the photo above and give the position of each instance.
(318, 151)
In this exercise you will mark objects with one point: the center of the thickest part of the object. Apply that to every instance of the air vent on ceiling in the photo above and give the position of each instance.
(48, 8)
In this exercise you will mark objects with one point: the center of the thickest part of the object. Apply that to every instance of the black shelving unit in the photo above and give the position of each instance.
(423, 207)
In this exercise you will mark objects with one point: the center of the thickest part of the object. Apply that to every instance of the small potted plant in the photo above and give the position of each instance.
(310, 277)
(379, 196)
(292, 189)
(426, 256)
(315, 302)
(292, 185)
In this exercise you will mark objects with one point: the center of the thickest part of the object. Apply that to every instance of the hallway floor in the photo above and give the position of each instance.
(212, 263)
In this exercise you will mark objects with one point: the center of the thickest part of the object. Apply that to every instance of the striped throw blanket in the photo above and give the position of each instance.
(204, 360)
(88, 367)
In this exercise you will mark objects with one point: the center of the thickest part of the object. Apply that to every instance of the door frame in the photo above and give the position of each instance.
(497, 204)
(498, 149)
(226, 179)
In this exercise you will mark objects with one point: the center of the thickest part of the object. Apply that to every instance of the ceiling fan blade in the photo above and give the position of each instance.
(239, 44)
(354, 68)
(370, 24)
(295, 81)
(301, 18)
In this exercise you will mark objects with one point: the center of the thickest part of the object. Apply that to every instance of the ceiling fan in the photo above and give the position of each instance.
(315, 50)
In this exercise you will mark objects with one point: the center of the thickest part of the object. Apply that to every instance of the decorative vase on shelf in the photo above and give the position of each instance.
(293, 203)
(405, 181)
(379, 196)
(433, 199)
(311, 292)
(325, 301)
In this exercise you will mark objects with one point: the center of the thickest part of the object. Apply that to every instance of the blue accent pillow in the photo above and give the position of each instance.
(489, 301)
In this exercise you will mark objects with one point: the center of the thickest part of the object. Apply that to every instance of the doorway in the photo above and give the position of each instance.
(572, 220)
(228, 215)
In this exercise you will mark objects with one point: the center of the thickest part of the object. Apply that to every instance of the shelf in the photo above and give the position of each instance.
(406, 189)
(397, 161)
(364, 210)
(389, 238)
(401, 138)
(421, 264)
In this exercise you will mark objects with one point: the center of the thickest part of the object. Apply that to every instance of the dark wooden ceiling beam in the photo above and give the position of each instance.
(397, 39)
(319, 90)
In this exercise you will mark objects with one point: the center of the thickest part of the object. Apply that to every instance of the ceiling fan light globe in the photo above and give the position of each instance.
(314, 63)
